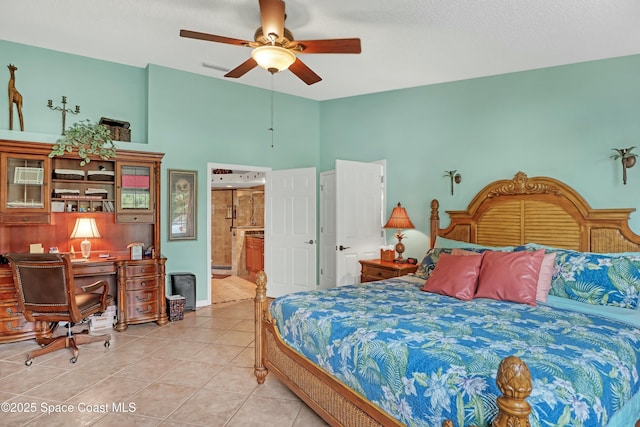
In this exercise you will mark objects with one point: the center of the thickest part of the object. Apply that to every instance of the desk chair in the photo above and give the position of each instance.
(46, 292)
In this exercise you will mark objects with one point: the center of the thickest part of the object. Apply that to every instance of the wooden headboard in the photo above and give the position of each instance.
(543, 210)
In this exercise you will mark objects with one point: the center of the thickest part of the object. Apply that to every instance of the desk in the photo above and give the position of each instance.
(138, 287)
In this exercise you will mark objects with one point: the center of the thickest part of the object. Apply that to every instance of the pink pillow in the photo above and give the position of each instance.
(510, 276)
(544, 279)
(455, 276)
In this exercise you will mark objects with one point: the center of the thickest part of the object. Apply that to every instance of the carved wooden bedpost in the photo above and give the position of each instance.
(434, 222)
(261, 305)
(514, 382)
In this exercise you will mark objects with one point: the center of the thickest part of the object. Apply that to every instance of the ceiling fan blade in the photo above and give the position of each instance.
(305, 73)
(272, 15)
(242, 69)
(213, 38)
(328, 46)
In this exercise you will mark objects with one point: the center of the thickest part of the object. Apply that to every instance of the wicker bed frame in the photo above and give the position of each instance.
(504, 213)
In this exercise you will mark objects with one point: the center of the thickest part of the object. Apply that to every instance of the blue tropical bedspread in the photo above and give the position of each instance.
(424, 357)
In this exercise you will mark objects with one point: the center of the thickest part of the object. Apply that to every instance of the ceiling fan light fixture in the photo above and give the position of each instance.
(273, 58)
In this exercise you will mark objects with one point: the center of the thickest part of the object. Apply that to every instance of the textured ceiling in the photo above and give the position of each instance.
(405, 43)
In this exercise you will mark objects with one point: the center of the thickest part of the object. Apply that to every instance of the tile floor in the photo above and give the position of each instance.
(232, 288)
(193, 372)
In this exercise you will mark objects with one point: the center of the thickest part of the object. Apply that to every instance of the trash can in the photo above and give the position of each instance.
(184, 284)
(175, 307)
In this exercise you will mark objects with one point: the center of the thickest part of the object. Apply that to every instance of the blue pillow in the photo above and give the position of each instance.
(429, 262)
(593, 278)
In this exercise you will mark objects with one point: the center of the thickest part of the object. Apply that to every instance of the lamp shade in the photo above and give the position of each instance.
(273, 58)
(399, 219)
(85, 228)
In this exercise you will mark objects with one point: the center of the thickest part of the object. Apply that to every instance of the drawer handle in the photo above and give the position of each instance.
(17, 328)
(143, 284)
(144, 270)
(148, 298)
(379, 273)
(9, 310)
(147, 311)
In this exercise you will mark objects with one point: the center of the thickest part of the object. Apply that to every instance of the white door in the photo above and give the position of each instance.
(359, 217)
(290, 231)
(328, 229)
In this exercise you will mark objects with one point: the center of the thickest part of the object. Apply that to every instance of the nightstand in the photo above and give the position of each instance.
(375, 269)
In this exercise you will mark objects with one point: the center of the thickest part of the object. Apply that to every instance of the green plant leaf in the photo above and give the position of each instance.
(87, 139)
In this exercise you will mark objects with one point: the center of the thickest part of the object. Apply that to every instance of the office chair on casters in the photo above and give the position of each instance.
(46, 293)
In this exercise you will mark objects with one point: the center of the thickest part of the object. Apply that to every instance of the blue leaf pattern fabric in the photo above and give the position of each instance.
(425, 357)
(593, 278)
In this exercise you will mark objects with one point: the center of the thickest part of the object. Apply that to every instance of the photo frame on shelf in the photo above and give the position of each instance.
(182, 204)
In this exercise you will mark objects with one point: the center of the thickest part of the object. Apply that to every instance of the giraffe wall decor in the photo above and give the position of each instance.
(14, 98)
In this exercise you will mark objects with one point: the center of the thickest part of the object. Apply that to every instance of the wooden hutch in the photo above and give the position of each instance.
(40, 200)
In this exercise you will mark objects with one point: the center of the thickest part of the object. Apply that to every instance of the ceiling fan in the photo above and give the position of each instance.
(274, 47)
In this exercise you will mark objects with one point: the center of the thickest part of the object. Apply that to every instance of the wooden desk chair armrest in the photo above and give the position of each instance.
(97, 285)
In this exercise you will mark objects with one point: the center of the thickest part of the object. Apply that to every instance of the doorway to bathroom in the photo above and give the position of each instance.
(236, 223)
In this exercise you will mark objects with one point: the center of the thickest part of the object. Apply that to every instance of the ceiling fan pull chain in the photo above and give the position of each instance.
(271, 128)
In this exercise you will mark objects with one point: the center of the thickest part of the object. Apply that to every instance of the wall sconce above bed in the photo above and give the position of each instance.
(454, 176)
(627, 158)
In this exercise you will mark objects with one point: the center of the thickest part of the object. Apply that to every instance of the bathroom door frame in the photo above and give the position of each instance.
(210, 168)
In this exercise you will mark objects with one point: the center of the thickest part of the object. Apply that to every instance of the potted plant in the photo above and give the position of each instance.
(627, 158)
(88, 139)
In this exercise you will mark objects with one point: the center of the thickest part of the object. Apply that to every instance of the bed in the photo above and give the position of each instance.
(518, 371)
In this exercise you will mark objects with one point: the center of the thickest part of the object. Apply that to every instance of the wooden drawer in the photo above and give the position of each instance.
(16, 325)
(23, 218)
(141, 283)
(9, 309)
(144, 311)
(93, 270)
(375, 273)
(141, 297)
(141, 270)
(136, 218)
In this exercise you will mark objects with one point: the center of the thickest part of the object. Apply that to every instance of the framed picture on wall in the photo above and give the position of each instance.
(182, 204)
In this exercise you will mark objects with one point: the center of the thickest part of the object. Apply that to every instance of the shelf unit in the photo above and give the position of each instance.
(88, 188)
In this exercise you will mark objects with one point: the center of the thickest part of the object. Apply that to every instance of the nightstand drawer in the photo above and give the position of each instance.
(376, 273)
(375, 269)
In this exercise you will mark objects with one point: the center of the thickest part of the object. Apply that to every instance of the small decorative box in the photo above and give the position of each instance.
(387, 255)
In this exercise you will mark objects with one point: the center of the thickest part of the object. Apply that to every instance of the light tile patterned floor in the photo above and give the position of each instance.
(193, 372)
(232, 288)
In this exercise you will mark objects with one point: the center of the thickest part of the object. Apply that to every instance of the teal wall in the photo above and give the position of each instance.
(193, 119)
(100, 88)
(561, 122)
(198, 120)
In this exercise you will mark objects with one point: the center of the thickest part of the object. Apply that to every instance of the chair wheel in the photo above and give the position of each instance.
(74, 359)
(28, 362)
(107, 343)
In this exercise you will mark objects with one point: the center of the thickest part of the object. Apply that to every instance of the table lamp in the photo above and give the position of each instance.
(85, 228)
(399, 219)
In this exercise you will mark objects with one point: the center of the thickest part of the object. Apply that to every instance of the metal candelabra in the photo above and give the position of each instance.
(64, 110)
